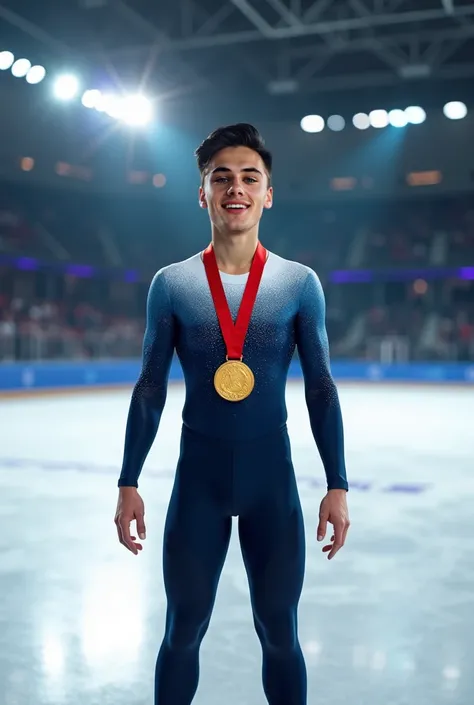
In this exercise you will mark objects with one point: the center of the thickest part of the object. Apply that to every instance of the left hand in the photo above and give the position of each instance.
(333, 509)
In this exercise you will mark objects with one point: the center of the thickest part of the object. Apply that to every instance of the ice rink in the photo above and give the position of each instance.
(388, 622)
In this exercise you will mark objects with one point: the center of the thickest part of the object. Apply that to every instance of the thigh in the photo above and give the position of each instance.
(272, 534)
(273, 549)
(197, 531)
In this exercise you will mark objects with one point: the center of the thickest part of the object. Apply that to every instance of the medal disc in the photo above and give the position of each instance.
(234, 380)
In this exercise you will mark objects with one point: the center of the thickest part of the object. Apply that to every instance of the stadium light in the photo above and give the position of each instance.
(135, 110)
(361, 121)
(378, 118)
(455, 110)
(397, 118)
(336, 123)
(35, 74)
(114, 107)
(6, 60)
(415, 115)
(21, 67)
(312, 123)
(91, 98)
(66, 87)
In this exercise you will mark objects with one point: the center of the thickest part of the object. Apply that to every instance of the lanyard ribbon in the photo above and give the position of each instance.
(234, 335)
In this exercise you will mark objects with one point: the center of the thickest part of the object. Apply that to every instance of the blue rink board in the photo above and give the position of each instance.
(56, 375)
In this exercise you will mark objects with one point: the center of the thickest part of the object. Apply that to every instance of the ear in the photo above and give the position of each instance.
(269, 198)
(202, 198)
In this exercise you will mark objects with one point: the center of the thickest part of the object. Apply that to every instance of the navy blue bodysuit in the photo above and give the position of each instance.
(235, 460)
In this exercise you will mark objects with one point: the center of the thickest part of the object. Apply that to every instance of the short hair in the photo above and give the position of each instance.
(241, 134)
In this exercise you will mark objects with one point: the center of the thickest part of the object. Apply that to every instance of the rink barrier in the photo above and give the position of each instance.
(23, 377)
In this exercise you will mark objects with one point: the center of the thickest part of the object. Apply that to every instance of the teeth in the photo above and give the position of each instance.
(236, 206)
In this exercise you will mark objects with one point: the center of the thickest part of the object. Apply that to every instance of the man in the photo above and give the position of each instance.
(234, 314)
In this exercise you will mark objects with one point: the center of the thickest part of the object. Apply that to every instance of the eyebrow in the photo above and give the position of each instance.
(226, 169)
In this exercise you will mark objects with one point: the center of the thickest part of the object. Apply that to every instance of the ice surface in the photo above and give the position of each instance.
(389, 621)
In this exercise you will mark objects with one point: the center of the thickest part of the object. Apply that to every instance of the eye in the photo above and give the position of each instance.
(251, 180)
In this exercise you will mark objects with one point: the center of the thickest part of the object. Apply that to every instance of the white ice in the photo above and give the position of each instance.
(389, 621)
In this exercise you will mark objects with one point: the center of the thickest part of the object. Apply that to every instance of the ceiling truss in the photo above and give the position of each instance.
(296, 40)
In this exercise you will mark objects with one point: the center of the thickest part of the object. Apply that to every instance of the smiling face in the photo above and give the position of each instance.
(235, 190)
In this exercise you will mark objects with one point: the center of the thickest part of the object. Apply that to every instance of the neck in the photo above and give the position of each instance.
(234, 253)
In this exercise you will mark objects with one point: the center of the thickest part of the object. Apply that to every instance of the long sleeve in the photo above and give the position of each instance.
(321, 394)
(149, 394)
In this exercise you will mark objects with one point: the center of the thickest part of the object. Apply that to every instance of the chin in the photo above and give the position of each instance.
(234, 228)
(240, 230)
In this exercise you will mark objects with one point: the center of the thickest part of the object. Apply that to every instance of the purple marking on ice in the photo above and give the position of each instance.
(314, 482)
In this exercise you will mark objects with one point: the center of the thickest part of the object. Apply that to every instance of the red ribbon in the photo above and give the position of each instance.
(234, 334)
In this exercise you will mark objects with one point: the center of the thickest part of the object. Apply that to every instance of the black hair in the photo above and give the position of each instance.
(241, 134)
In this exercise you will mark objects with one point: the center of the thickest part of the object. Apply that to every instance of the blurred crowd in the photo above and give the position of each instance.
(143, 234)
(47, 313)
(47, 330)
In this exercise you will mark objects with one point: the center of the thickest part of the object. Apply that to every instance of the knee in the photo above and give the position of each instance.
(277, 629)
(186, 629)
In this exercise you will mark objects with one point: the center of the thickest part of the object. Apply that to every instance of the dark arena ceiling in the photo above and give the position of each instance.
(277, 53)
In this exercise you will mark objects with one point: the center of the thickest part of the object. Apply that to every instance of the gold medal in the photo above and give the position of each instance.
(234, 380)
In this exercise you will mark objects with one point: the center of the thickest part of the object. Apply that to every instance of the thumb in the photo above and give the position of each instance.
(141, 529)
(322, 526)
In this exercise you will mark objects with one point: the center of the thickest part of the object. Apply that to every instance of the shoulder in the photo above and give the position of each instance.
(171, 279)
(177, 270)
(294, 272)
(177, 273)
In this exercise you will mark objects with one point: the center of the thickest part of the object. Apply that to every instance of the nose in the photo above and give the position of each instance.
(235, 189)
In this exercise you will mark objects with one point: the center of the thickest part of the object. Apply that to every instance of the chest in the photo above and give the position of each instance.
(271, 325)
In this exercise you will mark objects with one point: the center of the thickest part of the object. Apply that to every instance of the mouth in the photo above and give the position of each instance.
(235, 207)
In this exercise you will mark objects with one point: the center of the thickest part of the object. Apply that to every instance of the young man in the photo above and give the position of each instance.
(234, 314)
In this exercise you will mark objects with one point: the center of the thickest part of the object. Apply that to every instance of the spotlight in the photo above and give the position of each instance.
(397, 118)
(361, 121)
(6, 60)
(455, 110)
(35, 74)
(110, 104)
(135, 110)
(415, 115)
(312, 123)
(66, 87)
(378, 118)
(101, 102)
(91, 98)
(336, 123)
(20, 68)
(113, 106)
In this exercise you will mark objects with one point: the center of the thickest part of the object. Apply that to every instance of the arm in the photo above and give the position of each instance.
(149, 394)
(320, 390)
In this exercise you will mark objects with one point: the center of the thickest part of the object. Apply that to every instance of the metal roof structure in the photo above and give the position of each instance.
(288, 46)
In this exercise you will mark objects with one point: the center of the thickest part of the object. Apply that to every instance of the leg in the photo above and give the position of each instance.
(196, 540)
(273, 547)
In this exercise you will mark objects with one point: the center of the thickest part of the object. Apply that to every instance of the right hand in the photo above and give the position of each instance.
(130, 507)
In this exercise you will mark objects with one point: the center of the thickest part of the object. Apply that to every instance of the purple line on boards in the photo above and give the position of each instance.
(91, 468)
(466, 273)
(27, 264)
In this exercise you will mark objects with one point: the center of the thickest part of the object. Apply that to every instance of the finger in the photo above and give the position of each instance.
(334, 549)
(141, 528)
(329, 546)
(137, 545)
(119, 533)
(338, 539)
(119, 530)
(126, 538)
(322, 526)
(345, 532)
